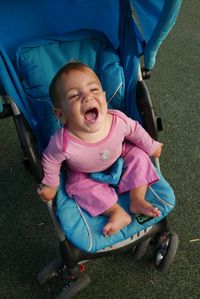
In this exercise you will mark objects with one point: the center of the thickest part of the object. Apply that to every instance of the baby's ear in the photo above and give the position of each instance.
(58, 113)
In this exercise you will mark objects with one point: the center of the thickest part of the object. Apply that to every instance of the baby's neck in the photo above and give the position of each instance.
(93, 137)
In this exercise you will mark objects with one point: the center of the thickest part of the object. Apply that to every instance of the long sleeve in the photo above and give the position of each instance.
(139, 136)
(53, 156)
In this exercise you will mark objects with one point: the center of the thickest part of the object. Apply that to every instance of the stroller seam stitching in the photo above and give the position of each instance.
(159, 198)
(115, 92)
(87, 226)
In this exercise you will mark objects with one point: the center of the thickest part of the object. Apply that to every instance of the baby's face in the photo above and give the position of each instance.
(84, 107)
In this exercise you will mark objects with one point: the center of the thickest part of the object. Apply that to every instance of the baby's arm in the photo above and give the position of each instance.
(140, 137)
(52, 159)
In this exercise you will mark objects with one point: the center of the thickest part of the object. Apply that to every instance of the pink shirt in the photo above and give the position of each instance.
(93, 157)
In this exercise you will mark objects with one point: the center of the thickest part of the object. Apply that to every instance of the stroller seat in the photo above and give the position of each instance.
(37, 63)
(85, 231)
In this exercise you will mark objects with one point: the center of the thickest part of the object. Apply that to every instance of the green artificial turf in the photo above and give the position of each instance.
(27, 237)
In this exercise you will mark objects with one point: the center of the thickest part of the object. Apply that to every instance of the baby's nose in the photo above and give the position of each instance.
(87, 98)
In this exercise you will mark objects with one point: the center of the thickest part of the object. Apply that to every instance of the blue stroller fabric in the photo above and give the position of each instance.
(11, 86)
(1, 105)
(112, 176)
(157, 19)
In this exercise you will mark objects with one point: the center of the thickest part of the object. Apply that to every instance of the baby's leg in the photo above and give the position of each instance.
(92, 196)
(138, 171)
(138, 204)
(118, 218)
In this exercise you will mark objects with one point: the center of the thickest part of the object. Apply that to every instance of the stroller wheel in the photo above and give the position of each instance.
(74, 286)
(141, 249)
(166, 251)
(51, 270)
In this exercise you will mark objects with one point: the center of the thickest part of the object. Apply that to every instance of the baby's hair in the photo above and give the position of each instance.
(65, 70)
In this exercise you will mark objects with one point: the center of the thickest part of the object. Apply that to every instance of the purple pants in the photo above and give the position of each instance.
(96, 197)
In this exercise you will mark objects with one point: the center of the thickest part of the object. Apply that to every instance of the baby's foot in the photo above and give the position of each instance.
(116, 222)
(142, 206)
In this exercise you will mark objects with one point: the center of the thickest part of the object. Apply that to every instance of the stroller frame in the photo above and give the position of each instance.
(71, 260)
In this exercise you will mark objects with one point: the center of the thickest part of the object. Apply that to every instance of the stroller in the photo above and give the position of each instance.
(112, 37)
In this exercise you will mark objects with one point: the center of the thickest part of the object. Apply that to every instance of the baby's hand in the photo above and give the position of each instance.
(46, 193)
(158, 151)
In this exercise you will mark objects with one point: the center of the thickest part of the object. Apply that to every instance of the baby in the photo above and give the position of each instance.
(91, 140)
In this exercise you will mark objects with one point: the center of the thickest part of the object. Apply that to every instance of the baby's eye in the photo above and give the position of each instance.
(73, 96)
(95, 89)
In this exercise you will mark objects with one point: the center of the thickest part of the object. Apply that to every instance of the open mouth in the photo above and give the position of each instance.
(91, 114)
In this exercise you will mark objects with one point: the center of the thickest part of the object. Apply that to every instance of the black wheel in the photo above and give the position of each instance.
(51, 270)
(74, 286)
(141, 249)
(166, 251)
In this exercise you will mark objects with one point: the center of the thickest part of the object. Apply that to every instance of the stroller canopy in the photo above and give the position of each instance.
(23, 20)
